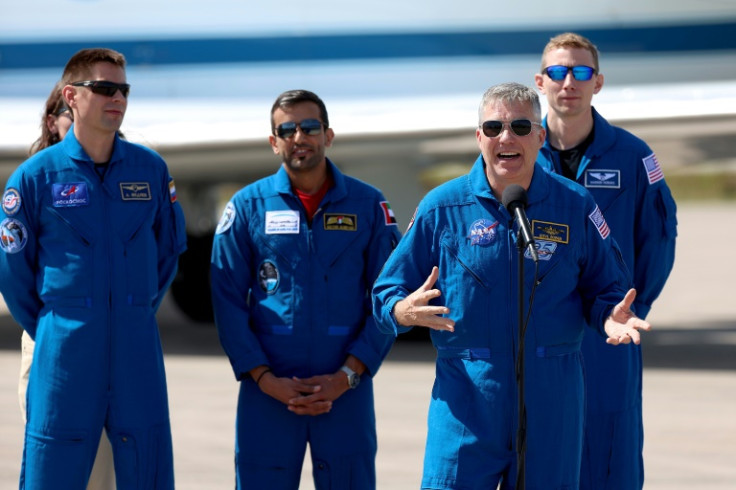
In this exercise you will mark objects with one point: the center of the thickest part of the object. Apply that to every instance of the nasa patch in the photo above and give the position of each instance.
(226, 220)
(11, 201)
(268, 277)
(13, 236)
(482, 232)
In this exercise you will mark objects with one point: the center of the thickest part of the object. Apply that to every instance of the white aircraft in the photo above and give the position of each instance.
(401, 80)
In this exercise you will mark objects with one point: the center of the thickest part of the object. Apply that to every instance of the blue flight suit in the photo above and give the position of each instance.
(85, 283)
(624, 177)
(465, 231)
(296, 297)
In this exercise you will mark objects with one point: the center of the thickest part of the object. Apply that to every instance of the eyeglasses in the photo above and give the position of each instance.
(63, 109)
(103, 87)
(581, 73)
(520, 127)
(310, 127)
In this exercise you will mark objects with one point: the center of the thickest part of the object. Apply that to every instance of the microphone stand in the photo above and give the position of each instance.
(521, 432)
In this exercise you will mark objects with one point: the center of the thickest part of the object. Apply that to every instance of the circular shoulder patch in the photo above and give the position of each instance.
(13, 236)
(11, 201)
(268, 277)
(227, 218)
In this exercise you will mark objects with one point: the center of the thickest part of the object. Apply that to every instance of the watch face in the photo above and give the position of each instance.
(354, 380)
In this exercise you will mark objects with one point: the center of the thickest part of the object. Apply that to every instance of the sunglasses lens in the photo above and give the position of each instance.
(103, 90)
(521, 127)
(582, 73)
(492, 128)
(311, 127)
(108, 89)
(286, 130)
(556, 72)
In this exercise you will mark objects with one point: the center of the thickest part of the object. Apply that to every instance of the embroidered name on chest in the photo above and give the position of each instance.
(554, 232)
(343, 222)
(135, 191)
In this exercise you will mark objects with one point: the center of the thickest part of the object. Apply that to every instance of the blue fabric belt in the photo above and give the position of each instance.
(485, 352)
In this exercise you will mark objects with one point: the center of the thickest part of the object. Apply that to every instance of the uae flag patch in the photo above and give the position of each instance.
(388, 213)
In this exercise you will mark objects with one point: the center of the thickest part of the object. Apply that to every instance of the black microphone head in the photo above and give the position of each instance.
(514, 196)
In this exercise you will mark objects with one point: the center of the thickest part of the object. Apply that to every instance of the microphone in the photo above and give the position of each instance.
(514, 199)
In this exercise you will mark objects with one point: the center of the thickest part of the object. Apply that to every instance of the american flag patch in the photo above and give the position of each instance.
(654, 171)
(600, 222)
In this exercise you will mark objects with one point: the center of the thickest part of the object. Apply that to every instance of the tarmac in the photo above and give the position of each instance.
(689, 382)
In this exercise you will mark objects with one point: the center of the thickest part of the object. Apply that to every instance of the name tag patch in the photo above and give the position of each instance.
(282, 222)
(343, 222)
(554, 232)
(135, 191)
(70, 194)
(603, 179)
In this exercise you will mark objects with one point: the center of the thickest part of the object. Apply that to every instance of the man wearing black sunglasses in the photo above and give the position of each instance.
(454, 272)
(101, 235)
(293, 260)
(627, 182)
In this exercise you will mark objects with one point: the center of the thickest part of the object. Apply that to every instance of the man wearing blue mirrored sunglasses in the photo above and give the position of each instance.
(293, 261)
(627, 182)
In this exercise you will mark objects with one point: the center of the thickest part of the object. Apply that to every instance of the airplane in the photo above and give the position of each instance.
(402, 82)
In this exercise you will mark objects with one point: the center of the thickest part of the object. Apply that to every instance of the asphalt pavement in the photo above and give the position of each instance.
(689, 382)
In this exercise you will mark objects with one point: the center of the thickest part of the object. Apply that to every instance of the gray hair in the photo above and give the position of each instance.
(510, 92)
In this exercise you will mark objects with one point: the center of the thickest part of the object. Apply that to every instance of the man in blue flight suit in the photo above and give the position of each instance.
(625, 178)
(101, 233)
(461, 240)
(293, 261)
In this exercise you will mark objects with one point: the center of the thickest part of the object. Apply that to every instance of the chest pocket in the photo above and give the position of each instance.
(480, 262)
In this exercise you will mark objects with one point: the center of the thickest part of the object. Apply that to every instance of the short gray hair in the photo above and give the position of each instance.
(510, 92)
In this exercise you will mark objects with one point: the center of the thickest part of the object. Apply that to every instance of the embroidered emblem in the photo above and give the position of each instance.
(388, 213)
(482, 232)
(555, 232)
(654, 171)
(69, 195)
(11, 201)
(600, 222)
(411, 221)
(268, 277)
(13, 236)
(135, 191)
(172, 191)
(603, 179)
(282, 222)
(344, 222)
(226, 220)
(545, 249)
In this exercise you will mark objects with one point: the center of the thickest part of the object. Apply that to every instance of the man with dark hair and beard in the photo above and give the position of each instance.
(294, 257)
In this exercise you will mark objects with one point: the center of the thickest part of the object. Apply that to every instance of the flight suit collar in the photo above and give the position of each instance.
(336, 193)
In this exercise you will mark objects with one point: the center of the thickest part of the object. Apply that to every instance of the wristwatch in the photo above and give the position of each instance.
(353, 377)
